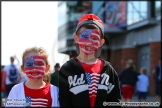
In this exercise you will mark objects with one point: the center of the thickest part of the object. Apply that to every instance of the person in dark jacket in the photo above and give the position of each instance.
(55, 75)
(87, 80)
(128, 79)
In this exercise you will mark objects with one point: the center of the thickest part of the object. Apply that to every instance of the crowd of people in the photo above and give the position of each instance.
(86, 80)
(131, 81)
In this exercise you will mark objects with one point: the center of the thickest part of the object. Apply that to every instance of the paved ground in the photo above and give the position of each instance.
(149, 99)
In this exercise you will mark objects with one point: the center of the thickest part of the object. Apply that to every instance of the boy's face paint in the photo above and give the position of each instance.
(89, 41)
(35, 67)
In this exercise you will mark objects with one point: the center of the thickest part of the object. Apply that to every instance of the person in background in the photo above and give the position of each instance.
(37, 91)
(3, 86)
(24, 78)
(128, 79)
(55, 75)
(142, 85)
(157, 72)
(12, 75)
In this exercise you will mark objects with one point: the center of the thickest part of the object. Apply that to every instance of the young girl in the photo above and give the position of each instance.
(36, 92)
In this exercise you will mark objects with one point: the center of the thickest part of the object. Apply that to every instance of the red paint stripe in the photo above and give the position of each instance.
(96, 32)
(39, 57)
(42, 73)
(41, 68)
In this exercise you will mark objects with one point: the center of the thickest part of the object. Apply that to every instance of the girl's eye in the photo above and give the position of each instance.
(29, 64)
(39, 63)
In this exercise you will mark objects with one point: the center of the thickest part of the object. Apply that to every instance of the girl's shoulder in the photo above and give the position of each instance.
(19, 85)
(53, 86)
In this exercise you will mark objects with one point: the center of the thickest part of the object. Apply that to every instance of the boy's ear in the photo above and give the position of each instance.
(102, 42)
(75, 38)
(47, 68)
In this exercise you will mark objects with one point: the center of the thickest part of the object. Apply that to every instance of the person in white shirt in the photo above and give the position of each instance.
(142, 85)
(12, 75)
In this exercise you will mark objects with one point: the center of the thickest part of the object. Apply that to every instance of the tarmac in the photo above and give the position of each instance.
(148, 99)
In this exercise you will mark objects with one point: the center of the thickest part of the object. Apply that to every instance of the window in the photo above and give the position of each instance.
(158, 8)
(136, 11)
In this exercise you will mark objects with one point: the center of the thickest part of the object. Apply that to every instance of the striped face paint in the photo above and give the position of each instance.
(89, 41)
(35, 67)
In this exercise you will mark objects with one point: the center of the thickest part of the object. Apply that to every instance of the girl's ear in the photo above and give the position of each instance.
(75, 38)
(47, 68)
(22, 68)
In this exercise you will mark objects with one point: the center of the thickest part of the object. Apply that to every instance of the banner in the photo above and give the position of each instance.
(115, 14)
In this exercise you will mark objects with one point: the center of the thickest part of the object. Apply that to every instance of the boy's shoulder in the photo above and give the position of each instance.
(74, 61)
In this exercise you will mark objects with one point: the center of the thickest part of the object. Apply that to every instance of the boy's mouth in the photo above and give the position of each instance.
(89, 48)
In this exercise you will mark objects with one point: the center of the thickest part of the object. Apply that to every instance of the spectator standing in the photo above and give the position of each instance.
(128, 78)
(55, 75)
(12, 75)
(142, 85)
(157, 73)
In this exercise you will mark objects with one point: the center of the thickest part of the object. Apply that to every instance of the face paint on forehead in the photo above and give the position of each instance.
(31, 61)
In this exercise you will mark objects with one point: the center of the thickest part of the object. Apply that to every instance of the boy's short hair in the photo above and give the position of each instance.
(144, 70)
(89, 21)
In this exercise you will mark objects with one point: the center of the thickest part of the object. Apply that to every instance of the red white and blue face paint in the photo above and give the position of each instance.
(35, 67)
(89, 41)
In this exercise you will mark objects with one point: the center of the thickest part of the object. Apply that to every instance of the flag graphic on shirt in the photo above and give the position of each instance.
(36, 102)
(89, 38)
(34, 65)
(92, 80)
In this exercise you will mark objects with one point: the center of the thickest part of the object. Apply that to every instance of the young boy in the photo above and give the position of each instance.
(87, 80)
(142, 85)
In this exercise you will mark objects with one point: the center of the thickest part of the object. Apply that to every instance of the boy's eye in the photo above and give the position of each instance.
(85, 37)
(94, 38)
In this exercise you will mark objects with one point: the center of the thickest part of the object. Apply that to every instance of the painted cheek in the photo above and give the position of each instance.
(35, 73)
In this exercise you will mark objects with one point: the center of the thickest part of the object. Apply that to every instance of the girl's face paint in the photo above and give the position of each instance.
(89, 41)
(35, 67)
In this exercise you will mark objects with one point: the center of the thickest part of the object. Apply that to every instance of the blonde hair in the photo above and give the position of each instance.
(41, 51)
